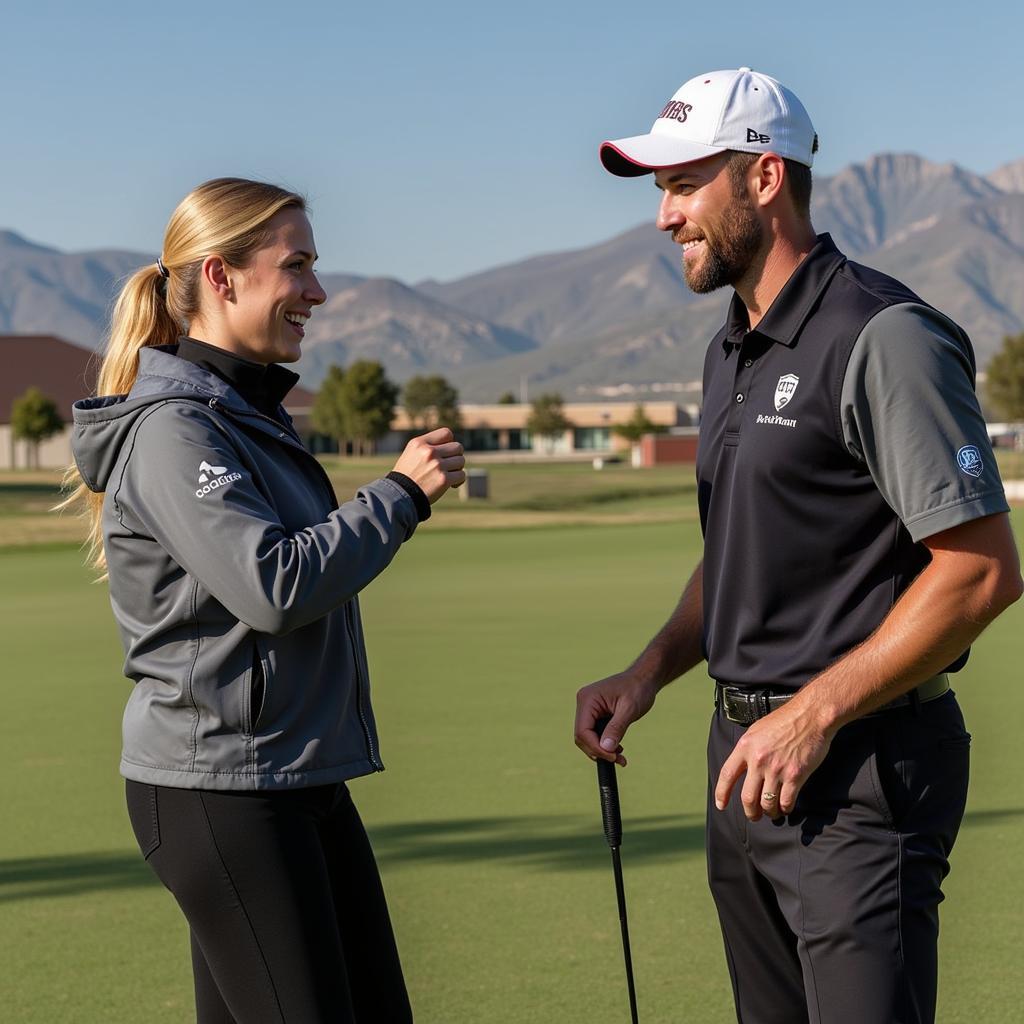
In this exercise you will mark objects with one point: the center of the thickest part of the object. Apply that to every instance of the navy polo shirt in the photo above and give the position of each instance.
(835, 436)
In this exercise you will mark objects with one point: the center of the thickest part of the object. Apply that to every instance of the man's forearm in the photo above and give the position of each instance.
(936, 619)
(678, 645)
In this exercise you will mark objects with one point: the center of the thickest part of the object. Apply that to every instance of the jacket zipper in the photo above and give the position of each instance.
(295, 443)
(367, 734)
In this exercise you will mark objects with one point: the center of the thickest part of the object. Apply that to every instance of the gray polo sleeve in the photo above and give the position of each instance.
(909, 412)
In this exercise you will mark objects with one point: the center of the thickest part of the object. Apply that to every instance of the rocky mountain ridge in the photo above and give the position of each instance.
(611, 316)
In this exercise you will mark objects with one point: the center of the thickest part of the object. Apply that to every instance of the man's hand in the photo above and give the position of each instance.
(433, 461)
(778, 754)
(623, 698)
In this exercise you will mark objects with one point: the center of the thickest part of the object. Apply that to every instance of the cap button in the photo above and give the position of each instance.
(744, 69)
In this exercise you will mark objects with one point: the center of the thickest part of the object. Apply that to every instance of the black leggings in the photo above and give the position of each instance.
(281, 892)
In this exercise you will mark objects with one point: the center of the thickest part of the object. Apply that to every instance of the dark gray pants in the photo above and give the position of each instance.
(830, 916)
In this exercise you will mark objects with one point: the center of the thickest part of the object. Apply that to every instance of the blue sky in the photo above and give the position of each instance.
(438, 139)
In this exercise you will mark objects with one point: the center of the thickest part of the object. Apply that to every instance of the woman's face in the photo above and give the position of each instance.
(273, 297)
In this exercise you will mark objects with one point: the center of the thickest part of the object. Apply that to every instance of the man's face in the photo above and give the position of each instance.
(713, 218)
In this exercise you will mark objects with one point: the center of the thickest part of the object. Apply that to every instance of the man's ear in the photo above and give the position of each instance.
(769, 177)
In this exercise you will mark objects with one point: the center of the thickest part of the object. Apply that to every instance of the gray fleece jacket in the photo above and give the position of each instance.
(233, 578)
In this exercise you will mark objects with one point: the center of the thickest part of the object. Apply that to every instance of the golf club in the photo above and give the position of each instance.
(609, 788)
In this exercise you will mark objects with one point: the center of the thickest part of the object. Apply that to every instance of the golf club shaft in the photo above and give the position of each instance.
(620, 894)
(612, 818)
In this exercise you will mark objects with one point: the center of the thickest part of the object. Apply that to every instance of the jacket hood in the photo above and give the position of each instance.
(102, 424)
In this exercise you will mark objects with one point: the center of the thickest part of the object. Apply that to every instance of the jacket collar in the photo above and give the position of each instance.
(262, 385)
(161, 370)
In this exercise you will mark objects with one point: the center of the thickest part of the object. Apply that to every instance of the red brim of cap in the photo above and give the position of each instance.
(644, 154)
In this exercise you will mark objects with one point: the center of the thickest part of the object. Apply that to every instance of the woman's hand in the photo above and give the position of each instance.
(434, 461)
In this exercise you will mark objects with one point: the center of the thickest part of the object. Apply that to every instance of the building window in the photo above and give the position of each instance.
(592, 438)
(321, 444)
(480, 439)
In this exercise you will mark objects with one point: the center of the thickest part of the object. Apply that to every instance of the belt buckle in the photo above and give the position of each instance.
(738, 705)
(744, 707)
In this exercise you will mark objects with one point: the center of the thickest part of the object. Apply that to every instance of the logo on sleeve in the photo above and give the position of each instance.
(212, 477)
(969, 460)
(785, 390)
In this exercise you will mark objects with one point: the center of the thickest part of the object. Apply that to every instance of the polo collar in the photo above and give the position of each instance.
(793, 305)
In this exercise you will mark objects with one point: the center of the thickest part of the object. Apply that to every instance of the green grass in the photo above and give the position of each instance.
(565, 489)
(486, 823)
(522, 495)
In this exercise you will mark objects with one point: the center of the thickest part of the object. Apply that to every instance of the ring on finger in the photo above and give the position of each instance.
(767, 798)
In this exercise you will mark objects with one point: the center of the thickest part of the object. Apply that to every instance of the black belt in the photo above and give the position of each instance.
(746, 704)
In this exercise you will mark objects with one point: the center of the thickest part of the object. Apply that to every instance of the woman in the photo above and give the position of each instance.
(233, 577)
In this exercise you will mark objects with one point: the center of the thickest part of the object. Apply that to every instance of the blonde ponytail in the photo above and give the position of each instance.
(140, 317)
(226, 217)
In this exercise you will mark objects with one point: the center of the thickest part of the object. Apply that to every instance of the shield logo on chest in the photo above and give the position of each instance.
(785, 390)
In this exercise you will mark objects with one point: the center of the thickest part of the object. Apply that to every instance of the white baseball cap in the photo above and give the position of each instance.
(741, 110)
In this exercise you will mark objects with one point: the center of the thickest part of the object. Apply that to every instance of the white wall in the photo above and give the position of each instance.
(53, 454)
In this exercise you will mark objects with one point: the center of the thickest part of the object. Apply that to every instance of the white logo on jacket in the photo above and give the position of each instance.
(206, 471)
(212, 477)
(785, 390)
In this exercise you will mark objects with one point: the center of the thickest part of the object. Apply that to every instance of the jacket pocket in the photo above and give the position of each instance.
(257, 690)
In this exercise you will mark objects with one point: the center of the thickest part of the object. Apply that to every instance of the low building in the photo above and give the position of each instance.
(502, 428)
(65, 373)
(677, 446)
(61, 371)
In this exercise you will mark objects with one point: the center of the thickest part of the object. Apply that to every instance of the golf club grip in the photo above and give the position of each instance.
(609, 787)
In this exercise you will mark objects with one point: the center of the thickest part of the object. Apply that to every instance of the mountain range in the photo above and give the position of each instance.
(610, 319)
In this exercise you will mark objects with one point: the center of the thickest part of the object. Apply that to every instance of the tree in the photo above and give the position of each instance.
(431, 402)
(328, 416)
(637, 425)
(547, 419)
(1005, 381)
(368, 403)
(34, 418)
(507, 398)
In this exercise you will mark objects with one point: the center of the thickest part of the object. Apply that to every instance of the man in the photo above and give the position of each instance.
(856, 541)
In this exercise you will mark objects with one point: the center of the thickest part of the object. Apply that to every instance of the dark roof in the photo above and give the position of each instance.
(65, 373)
(62, 371)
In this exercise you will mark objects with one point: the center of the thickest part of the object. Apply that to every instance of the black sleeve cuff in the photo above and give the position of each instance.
(414, 491)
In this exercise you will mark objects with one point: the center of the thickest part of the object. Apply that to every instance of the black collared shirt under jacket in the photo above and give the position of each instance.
(835, 437)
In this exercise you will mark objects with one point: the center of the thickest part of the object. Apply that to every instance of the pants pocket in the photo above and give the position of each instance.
(144, 815)
(882, 800)
(923, 766)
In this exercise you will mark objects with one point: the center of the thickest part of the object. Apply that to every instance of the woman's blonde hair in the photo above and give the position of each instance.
(226, 217)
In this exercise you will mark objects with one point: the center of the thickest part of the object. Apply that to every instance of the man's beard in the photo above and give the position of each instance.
(728, 256)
